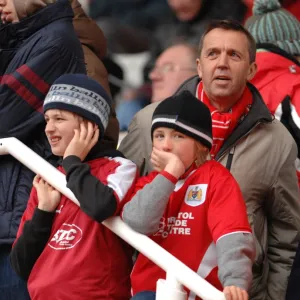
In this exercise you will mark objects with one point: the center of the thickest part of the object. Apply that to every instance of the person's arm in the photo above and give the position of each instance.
(144, 211)
(22, 91)
(283, 213)
(236, 253)
(228, 222)
(33, 235)
(97, 199)
(147, 206)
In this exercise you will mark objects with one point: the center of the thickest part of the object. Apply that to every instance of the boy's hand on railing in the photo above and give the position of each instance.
(167, 161)
(235, 293)
(83, 141)
(48, 196)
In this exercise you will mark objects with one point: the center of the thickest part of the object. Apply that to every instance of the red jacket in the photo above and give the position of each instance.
(81, 259)
(278, 81)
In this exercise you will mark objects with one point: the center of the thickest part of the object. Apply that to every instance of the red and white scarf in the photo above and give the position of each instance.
(223, 124)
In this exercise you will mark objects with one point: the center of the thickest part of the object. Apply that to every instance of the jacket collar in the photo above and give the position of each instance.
(259, 113)
(98, 151)
(13, 33)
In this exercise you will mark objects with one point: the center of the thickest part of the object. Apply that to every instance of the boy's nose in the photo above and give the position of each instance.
(49, 127)
(167, 145)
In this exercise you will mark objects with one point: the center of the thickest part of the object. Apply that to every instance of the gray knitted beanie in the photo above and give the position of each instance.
(272, 24)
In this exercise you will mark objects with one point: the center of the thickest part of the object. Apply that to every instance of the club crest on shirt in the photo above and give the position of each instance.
(195, 194)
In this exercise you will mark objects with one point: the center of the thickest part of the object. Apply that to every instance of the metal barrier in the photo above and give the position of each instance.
(178, 274)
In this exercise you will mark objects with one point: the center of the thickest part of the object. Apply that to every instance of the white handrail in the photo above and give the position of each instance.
(142, 243)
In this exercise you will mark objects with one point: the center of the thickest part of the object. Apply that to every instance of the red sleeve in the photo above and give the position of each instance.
(227, 210)
(28, 213)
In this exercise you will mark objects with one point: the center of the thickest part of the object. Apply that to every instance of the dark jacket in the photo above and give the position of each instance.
(33, 54)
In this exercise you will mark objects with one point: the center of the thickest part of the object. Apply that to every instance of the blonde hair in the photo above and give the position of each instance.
(202, 154)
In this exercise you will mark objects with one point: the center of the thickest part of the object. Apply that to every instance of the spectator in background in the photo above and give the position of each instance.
(191, 16)
(258, 150)
(175, 65)
(182, 21)
(127, 25)
(94, 48)
(277, 34)
(38, 44)
(293, 6)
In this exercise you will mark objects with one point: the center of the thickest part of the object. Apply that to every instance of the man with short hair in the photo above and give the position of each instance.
(175, 65)
(258, 150)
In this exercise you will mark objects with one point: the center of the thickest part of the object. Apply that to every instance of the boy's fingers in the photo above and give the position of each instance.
(90, 131)
(83, 131)
(76, 134)
(245, 295)
(36, 178)
(227, 293)
(95, 136)
(36, 181)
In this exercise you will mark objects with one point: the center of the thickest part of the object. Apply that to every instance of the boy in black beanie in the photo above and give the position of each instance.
(191, 207)
(61, 247)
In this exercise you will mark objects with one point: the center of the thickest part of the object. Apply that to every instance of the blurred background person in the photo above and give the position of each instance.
(175, 65)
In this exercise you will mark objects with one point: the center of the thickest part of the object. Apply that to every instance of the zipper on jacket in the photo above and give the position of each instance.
(230, 158)
(235, 144)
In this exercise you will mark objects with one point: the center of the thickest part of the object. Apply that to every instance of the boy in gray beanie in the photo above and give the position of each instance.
(277, 33)
(63, 247)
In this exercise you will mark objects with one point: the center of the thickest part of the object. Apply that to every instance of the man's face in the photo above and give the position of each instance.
(185, 10)
(8, 12)
(172, 68)
(224, 65)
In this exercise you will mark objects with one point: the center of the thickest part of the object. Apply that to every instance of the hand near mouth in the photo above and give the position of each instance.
(83, 141)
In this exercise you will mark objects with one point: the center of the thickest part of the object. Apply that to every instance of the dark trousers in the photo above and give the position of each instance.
(12, 287)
